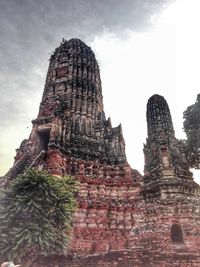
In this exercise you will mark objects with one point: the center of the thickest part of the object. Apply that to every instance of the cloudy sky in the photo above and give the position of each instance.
(143, 47)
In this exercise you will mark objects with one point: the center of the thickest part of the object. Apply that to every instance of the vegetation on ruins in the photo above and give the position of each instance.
(36, 214)
(192, 129)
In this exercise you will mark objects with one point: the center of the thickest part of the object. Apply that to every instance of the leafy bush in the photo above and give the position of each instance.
(36, 214)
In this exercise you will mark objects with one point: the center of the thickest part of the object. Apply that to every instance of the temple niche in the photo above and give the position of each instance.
(123, 218)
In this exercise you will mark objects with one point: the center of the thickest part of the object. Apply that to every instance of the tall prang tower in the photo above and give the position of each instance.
(73, 97)
(71, 124)
(71, 136)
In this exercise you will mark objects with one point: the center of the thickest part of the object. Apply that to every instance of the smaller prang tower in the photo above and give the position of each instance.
(169, 227)
(166, 168)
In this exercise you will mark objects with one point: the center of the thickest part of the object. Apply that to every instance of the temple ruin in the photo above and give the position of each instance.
(123, 218)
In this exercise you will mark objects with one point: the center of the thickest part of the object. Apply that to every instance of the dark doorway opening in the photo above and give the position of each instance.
(43, 138)
(176, 234)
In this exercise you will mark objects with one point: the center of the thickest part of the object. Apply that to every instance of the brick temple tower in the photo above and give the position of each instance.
(122, 219)
(165, 161)
(168, 227)
(71, 136)
(71, 123)
(73, 103)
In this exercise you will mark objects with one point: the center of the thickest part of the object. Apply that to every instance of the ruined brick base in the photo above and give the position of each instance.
(123, 259)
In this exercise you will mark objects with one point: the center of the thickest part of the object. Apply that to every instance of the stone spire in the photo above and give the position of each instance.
(71, 119)
(73, 78)
(158, 117)
(164, 154)
(73, 102)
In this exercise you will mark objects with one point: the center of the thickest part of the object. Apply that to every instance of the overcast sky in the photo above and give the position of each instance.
(143, 47)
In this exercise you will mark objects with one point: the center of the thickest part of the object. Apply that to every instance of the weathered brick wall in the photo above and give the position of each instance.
(112, 216)
(122, 259)
(105, 216)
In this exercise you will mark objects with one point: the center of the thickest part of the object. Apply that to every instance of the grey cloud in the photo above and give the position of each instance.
(31, 29)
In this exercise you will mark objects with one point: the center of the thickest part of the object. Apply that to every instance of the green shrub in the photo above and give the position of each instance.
(36, 214)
